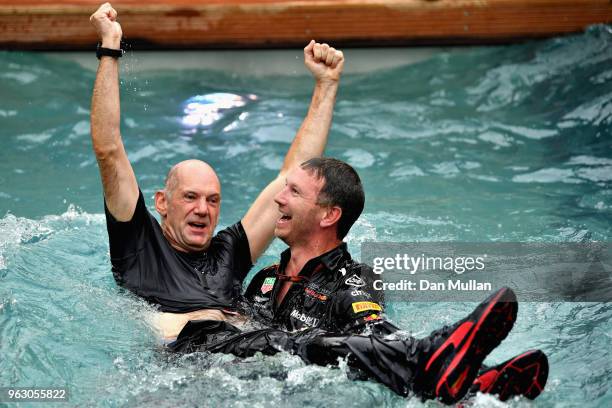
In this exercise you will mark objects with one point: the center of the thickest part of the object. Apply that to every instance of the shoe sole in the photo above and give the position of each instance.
(523, 375)
(472, 342)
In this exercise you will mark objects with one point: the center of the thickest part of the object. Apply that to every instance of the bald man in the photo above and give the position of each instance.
(179, 265)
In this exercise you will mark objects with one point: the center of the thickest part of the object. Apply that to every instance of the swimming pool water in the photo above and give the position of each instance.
(509, 143)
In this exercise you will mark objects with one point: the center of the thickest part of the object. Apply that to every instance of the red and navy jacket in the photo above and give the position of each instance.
(331, 292)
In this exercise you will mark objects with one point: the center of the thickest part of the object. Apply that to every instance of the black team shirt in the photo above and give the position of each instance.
(144, 262)
(332, 292)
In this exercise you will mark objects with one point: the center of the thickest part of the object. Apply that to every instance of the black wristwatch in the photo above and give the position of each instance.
(109, 52)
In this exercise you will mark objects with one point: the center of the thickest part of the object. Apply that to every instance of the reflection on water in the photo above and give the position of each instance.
(487, 144)
(204, 110)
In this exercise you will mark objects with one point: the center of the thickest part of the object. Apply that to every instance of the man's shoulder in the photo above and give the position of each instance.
(128, 238)
(232, 233)
(141, 212)
(356, 274)
(269, 270)
(358, 282)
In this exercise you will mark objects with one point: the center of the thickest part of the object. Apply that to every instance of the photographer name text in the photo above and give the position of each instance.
(413, 264)
(426, 285)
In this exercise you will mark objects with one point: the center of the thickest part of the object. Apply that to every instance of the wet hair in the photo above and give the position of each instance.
(342, 187)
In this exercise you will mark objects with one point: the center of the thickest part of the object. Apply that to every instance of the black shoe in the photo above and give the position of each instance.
(454, 365)
(525, 375)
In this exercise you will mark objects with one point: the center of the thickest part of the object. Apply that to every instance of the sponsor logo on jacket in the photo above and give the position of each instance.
(355, 280)
(268, 284)
(359, 307)
(358, 292)
(304, 318)
(310, 292)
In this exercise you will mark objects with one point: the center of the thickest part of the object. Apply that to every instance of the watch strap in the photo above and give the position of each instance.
(108, 52)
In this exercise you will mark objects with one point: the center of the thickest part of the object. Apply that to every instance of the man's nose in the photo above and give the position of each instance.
(202, 207)
(279, 198)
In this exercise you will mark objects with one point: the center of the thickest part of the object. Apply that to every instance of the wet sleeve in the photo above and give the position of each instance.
(358, 307)
(236, 250)
(126, 239)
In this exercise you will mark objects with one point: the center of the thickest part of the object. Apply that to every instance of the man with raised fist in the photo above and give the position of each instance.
(180, 265)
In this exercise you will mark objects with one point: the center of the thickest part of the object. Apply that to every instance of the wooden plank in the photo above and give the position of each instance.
(47, 24)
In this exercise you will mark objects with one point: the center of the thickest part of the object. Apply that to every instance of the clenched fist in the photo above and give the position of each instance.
(324, 62)
(105, 22)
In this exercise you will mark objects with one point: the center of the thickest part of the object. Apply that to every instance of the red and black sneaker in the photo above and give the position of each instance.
(525, 375)
(454, 364)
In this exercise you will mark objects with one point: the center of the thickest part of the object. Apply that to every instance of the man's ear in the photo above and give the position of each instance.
(332, 216)
(161, 205)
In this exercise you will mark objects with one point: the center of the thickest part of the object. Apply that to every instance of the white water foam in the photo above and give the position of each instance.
(16, 231)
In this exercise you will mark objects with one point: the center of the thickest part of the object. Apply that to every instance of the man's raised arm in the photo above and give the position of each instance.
(118, 179)
(326, 64)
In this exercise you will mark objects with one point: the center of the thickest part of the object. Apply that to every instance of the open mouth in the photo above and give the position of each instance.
(198, 226)
(284, 218)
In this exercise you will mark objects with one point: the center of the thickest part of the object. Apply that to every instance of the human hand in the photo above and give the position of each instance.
(105, 22)
(324, 62)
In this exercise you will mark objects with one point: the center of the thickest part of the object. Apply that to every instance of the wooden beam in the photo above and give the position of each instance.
(45, 24)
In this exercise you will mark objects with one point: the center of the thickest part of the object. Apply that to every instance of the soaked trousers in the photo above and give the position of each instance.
(396, 363)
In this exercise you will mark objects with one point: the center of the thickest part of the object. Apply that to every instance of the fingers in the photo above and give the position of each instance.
(338, 59)
(324, 53)
(309, 47)
(108, 28)
(104, 11)
(320, 52)
(112, 14)
(325, 63)
(331, 53)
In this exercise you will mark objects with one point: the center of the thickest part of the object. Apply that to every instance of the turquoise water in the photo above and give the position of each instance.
(487, 144)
